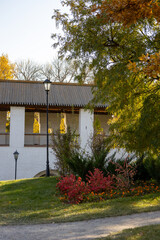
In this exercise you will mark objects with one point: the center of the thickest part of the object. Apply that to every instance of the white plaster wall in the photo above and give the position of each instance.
(17, 121)
(85, 128)
(31, 161)
(120, 153)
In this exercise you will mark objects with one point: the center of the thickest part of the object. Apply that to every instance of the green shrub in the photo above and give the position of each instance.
(63, 146)
(141, 172)
(100, 152)
(152, 164)
(71, 159)
(80, 164)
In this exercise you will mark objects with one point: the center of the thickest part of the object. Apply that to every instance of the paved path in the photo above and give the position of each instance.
(82, 230)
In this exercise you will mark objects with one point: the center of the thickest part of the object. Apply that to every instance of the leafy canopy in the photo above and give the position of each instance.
(119, 41)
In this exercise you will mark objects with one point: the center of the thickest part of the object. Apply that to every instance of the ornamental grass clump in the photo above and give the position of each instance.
(124, 177)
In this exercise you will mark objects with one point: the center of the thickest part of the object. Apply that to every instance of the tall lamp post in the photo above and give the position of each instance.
(47, 86)
(15, 157)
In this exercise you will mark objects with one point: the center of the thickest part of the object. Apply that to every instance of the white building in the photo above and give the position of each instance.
(21, 100)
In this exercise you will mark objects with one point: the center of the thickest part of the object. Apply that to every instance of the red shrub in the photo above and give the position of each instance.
(77, 191)
(74, 189)
(66, 183)
(98, 183)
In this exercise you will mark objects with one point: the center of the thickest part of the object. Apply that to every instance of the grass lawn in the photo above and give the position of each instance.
(141, 233)
(35, 201)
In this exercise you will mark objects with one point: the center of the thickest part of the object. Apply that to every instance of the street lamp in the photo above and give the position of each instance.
(15, 157)
(47, 86)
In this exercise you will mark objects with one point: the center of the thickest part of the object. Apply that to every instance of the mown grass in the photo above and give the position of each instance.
(31, 201)
(140, 233)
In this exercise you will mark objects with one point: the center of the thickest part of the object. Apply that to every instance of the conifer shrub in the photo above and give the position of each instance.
(152, 164)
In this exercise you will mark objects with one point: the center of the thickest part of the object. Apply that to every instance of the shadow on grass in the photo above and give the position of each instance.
(36, 201)
(140, 233)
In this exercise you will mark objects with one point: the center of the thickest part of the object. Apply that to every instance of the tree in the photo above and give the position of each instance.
(59, 70)
(28, 70)
(6, 68)
(119, 41)
(47, 71)
(128, 12)
(64, 70)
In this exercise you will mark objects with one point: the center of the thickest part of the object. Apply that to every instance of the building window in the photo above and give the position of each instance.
(8, 122)
(97, 126)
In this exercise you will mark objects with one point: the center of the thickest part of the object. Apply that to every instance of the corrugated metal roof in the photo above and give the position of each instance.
(33, 93)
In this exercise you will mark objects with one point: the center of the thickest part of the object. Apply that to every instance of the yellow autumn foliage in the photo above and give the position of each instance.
(36, 124)
(63, 126)
(128, 12)
(97, 126)
(148, 64)
(6, 68)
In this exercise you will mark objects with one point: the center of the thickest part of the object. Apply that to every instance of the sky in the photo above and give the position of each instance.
(25, 29)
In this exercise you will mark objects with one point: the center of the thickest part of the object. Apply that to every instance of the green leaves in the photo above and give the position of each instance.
(99, 39)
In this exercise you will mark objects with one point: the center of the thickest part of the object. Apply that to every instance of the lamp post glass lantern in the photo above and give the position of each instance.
(47, 86)
(16, 157)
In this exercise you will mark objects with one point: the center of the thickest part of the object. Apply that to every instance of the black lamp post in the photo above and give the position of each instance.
(47, 86)
(15, 157)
